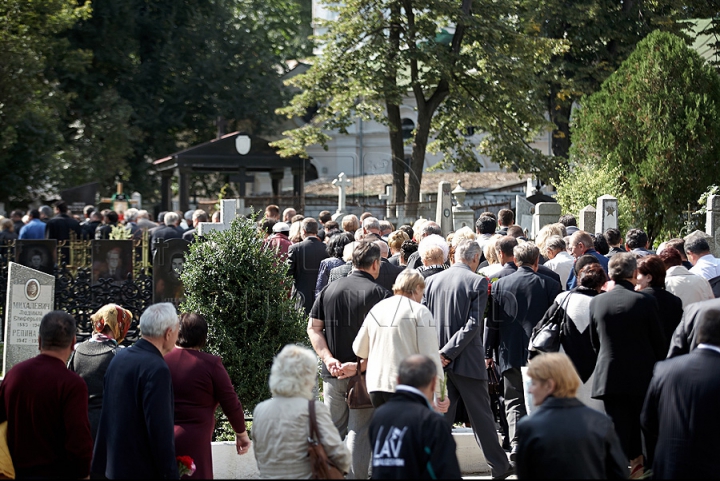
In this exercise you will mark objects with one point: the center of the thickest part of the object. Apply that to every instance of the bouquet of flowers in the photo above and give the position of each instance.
(186, 465)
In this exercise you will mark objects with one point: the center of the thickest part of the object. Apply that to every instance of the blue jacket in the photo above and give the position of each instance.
(572, 280)
(35, 229)
(136, 437)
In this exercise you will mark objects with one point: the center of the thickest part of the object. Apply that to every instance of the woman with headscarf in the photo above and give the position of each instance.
(91, 358)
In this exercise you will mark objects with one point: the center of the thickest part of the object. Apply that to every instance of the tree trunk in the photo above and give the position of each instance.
(417, 162)
(559, 111)
(397, 148)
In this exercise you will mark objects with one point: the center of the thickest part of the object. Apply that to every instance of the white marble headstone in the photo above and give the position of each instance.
(443, 210)
(545, 213)
(230, 209)
(712, 222)
(30, 295)
(606, 213)
(524, 212)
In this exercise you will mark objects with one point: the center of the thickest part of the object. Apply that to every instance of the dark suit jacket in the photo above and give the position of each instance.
(626, 333)
(511, 267)
(457, 298)
(681, 417)
(395, 260)
(414, 261)
(683, 339)
(60, 226)
(564, 439)
(669, 308)
(305, 258)
(388, 274)
(519, 302)
(166, 232)
(136, 436)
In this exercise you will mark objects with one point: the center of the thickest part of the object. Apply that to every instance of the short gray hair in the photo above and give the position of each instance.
(622, 266)
(433, 240)
(143, 214)
(431, 227)
(131, 214)
(466, 251)
(371, 223)
(384, 249)
(293, 372)
(171, 218)
(408, 281)
(526, 254)
(417, 370)
(157, 319)
(555, 243)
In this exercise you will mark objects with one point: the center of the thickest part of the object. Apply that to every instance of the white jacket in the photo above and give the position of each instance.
(687, 286)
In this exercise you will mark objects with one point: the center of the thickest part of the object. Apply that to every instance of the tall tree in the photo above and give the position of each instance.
(468, 64)
(657, 121)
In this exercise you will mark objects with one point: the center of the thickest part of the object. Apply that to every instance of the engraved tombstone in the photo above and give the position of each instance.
(588, 215)
(443, 210)
(167, 266)
(606, 213)
(40, 255)
(545, 213)
(30, 295)
(524, 212)
(112, 260)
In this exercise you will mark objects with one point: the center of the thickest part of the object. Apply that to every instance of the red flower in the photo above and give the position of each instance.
(187, 461)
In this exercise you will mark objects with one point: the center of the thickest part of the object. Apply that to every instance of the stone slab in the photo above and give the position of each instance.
(30, 295)
(443, 210)
(545, 213)
(587, 219)
(523, 212)
(606, 213)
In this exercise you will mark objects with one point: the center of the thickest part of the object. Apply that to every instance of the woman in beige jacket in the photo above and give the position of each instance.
(281, 425)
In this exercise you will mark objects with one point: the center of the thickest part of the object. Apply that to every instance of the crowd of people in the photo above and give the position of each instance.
(416, 332)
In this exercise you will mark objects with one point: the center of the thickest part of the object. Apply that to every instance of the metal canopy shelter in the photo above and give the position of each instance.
(239, 154)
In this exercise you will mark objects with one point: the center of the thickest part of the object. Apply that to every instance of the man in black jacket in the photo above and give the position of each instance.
(60, 226)
(519, 302)
(680, 417)
(305, 258)
(409, 439)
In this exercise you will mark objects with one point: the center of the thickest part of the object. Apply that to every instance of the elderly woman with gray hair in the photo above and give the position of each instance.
(281, 425)
(434, 251)
(394, 329)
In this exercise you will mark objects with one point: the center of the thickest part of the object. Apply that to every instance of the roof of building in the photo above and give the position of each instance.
(371, 185)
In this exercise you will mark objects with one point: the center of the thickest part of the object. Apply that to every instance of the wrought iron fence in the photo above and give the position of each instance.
(77, 293)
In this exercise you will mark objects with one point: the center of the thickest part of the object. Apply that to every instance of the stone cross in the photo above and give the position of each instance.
(588, 215)
(606, 213)
(387, 197)
(342, 183)
(443, 210)
(30, 295)
(229, 210)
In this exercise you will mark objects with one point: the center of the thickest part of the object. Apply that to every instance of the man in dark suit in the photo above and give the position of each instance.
(680, 417)
(198, 216)
(626, 333)
(60, 226)
(457, 298)
(519, 302)
(305, 258)
(388, 272)
(136, 422)
(684, 339)
(506, 248)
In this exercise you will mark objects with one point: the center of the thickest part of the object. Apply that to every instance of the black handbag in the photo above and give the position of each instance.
(547, 334)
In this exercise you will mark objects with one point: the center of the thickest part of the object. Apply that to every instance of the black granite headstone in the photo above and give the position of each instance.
(168, 264)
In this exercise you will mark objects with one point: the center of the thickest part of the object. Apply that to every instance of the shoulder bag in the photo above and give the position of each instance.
(357, 396)
(546, 334)
(322, 467)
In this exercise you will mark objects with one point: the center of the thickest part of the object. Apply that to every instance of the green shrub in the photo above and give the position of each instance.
(243, 292)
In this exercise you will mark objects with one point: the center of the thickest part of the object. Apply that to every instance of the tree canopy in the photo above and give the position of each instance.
(656, 120)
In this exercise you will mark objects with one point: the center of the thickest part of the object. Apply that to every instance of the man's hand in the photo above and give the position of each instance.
(333, 366)
(442, 406)
(242, 442)
(445, 361)
(489, 362)
(347, 369)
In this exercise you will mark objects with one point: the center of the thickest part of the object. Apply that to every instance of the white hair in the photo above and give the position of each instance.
(371, 223)
(293, 372)
(171, 218)
(433, 240)
(131, 214)
(463, 233)
(384, 249)
(157, 319)
(466, 251)
(348, 250)
(143, 214)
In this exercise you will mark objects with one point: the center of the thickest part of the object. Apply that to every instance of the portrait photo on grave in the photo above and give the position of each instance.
(111, 259)
(168, 264)
(32, 289)
(37, 254)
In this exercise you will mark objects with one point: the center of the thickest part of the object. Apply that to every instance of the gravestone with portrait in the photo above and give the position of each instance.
(30, 295)
(112, 261)
(167, 266)
(40, 255)
(443, 210)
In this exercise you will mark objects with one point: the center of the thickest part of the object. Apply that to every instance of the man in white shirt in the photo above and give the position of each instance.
(704, 264)
(559, 261)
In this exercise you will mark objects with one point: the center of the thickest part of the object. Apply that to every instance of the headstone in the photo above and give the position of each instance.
(443, 210)
(588, 215)
(712, 222)
(545, 213)
(112, 260)
(30, 295)
(342, 183)
(698, 233)
(387, 197)
(524, 212)
(606, 214)
(463, 216)
(230, 209)
(168, 264)
(40, 255)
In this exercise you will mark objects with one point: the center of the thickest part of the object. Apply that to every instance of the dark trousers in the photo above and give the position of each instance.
(514, 402)
(474, 394)
(378, 398)
(625, 413)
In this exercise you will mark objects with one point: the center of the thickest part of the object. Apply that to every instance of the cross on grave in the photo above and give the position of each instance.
(688, 221)
(341, 183)
(229, 210)
(387, 197)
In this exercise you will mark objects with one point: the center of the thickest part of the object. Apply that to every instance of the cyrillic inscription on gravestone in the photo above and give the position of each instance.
(30, 295)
